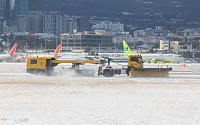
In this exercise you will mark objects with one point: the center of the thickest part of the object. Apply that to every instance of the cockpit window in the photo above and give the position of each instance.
(33, 62)
(134, 59)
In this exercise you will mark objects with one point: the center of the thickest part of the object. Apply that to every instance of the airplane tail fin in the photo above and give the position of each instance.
(12, 52)
(57, 50)
(27, 55)
(127, 49)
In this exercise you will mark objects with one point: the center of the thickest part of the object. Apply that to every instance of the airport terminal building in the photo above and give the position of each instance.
(87, 39)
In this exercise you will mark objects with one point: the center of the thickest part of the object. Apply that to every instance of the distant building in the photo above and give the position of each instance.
(158, 32)
(110, 26)
(164, 45)
(6, 14)
(21, 11)
(83, 24)
(70, 26)
(189, 36)
(21, 34)
(9, 11)
(1, 27)
(34, 5)
(45, 35)
(22, 8)
(160, 28)
(35, 21)
(119, 37)
(83, 40)
(53, 23)
(185, 48)
(175, 46)
(22, 23)
(2, 9)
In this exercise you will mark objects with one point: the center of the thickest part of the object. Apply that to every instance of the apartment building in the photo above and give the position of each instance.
(35, 21)
(175, 46)
(53, 23)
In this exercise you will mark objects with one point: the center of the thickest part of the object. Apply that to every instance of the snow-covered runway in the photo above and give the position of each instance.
(26, 99)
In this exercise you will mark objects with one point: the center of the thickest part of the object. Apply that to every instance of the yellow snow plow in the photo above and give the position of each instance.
(134, 68)
(46, 64)
(135, 65)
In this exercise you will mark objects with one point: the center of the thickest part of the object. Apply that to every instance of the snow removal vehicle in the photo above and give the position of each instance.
(134, 68)
(46, 64)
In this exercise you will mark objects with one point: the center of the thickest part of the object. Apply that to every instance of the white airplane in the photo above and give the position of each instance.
(21, 58)
(9, 55)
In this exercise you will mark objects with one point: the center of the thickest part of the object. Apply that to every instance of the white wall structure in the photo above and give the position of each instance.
(109, 26)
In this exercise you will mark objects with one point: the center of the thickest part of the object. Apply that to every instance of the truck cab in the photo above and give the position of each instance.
(135, 61)
(39, 64)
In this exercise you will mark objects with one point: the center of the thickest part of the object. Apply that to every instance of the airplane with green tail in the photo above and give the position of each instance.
(153, 58)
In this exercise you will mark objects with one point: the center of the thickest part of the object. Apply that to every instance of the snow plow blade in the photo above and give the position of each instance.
(154, 72)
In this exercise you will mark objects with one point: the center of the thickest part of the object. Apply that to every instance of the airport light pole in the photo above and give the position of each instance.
(8, 41)
(193, 53)
(56, 40)
(34, 44)
(115, 50)
(0, 41)
(45, 46)
(26, 46)
(41, 47)
(99, 48)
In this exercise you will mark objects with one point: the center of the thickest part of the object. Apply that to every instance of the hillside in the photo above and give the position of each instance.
(152, 11)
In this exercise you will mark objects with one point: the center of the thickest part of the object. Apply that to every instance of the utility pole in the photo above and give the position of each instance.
(8, 41)
(56, 41)
(45, 44)
(26, 46)
(99, 48)
(115, 50)
(34, 44)
(193, 53)
(41, 47)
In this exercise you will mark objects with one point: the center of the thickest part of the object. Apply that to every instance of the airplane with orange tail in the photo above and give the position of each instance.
(9, 55)
(21, 58)
(56, 53)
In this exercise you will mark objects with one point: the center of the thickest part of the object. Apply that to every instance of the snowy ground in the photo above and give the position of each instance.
(27, 99)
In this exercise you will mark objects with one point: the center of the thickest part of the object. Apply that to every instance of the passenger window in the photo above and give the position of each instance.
(33, 62)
